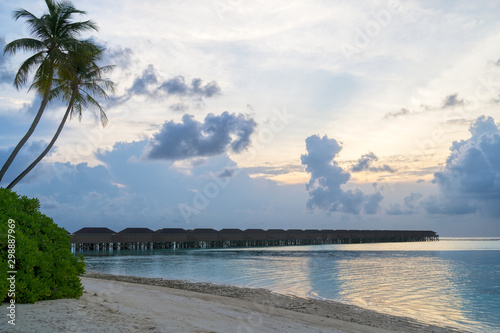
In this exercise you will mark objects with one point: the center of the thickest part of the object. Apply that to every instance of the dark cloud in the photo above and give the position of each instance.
(216, 135)
(449, 101)
(325, 191)
(141, 84)
(365, 164)
(227, 173)
(402, 112)
(150, 84)
(140, 87)
(177, 86)
(470, 181)
(452, 101)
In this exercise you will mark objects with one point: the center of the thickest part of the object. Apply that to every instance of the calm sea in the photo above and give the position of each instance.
(453, 282)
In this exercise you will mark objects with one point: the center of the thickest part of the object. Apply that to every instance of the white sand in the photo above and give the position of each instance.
(117, 306)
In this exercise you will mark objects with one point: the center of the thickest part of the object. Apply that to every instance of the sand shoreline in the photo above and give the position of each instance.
(134, 304)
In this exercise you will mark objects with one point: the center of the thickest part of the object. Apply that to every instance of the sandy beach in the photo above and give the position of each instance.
(132, 304)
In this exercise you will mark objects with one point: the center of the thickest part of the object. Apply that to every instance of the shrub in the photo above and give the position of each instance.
(46, 268)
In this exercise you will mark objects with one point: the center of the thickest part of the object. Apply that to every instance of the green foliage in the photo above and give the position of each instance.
(46, 268)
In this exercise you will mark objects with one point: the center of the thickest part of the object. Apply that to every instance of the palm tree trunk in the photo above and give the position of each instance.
(26, 136)
(42, 155)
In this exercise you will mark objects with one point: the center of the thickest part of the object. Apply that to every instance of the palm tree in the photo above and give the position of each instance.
(77, 81)
(53, 35)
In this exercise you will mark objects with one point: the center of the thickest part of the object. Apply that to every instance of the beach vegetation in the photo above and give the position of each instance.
(40, 265)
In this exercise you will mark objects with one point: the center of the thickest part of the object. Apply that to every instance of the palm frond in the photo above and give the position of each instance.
(42, 80)
(24, 44)
(94, 106)
(26, 67)
(22, 13)
(76, 28)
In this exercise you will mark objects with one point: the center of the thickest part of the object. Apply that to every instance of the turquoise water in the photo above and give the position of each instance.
(454, 282)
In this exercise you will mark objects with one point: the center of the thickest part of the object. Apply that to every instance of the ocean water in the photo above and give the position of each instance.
(453, 282)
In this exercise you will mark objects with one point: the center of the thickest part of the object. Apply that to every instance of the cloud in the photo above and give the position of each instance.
(33, 107)
(6, 76)
(24, 158)
(470, 181)
(402, 112)
(449, 101)
(365, 164)
(119, 56)
(150, 84)
(177, 86)
(227, 132)
(411, 205)
(127, 189)
(179, 107)
(114, 55)
(227, 173)
(141, 84)
(452, 101)
(274, 170)
(325, 191)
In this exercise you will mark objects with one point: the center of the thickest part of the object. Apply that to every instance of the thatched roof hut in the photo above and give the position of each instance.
(170, 235)
(134, 235)
(276, 234)
(202, 234)
(231, 235)
(254, 234)
(93, 235)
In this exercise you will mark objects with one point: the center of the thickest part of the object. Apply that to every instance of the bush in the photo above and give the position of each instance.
(46, 268)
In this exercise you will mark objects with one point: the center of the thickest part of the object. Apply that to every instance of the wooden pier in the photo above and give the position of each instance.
(174, 238)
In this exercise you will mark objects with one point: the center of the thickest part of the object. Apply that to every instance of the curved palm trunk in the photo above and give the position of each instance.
(25, 137)
(42, 155)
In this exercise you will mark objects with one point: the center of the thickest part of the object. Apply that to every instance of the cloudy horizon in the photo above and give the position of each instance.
(301, 114)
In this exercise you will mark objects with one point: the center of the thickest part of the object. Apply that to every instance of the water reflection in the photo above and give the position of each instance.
(418, 286)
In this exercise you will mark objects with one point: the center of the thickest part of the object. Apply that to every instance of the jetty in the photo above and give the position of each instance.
(100, 238)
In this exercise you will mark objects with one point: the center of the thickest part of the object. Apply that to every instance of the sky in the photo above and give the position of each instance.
(273, 114)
